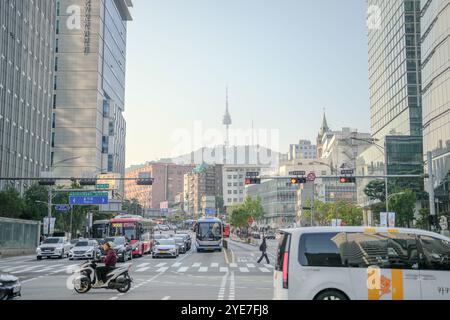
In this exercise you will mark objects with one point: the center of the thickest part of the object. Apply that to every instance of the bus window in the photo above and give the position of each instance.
(209, 231)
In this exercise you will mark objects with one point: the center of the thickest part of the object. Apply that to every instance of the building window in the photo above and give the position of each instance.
(57, 26)
(57, 45)
(55, 83)
(105, 108)
(56, 64)
(105, 143)
(110, 163)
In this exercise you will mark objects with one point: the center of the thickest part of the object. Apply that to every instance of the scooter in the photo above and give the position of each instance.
(86, 279)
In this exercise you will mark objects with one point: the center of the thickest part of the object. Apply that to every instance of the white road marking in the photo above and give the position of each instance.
(268, 266)
(183, 269)
(25, 269)
(47, 268)
(114, 298)
(162, 269)
(166, 298)
(223, 269)
(176, 265)
(196, 265)
(214, 265)
(233, 265)
(142, 265)
(142, 269)
(264, 269)
(161, 265)
(223, 286)
(203, 269)
(232, 294)
(250, 265)
(243, 269)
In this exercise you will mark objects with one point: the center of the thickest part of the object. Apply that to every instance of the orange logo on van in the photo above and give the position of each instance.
(385, 286)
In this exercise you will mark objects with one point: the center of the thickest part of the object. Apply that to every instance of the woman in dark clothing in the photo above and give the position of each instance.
(263, 249)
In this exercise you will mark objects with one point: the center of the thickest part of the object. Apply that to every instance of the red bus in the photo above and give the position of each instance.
(136, 229)
(226, 230)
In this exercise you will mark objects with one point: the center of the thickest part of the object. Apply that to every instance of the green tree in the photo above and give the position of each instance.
(11, 204)
(132, 207)
(240, 213)
(34, 208)
(375, 190)
(403, 204)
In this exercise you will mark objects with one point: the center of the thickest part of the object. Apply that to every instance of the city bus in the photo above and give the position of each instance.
(136, 229)
(209, 234)
(100, 229)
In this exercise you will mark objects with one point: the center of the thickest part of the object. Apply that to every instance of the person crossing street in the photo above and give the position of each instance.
(263, 249)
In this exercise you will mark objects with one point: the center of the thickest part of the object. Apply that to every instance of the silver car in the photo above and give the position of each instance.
(54, 247)
(165, 248)
(83, 249)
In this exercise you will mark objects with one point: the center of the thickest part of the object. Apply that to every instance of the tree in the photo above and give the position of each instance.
(324, 213)
(403, 204)
(375, 190)
(11, 204)
(34, 208)
(241, 213)
(132, 207)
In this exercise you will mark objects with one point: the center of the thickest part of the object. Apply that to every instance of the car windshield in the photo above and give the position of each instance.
(53, 240)
(82, 244)
(165, 242)
(179, 240)
(117, 241)
(209, 231)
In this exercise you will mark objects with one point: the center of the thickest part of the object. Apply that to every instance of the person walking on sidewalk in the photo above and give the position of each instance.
(263, 249)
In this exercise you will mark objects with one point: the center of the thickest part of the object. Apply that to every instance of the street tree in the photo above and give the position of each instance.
(35, 198)
(403, 204)
(11, 203)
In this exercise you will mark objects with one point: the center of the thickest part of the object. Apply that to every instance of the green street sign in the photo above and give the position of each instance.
(102, 186)
(89, 194)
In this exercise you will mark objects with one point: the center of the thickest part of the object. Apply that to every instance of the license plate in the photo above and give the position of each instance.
(163, 252)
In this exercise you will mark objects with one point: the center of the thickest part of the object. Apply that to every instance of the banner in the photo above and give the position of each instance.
(383, 219)
(52, 225)
(391, 218)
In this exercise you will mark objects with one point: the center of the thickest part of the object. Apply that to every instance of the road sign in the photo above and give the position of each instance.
(88, 198)
(252, 174)
(210, 211)
(62, 207)
(311, 177)
(347, 172)
(102, 186)
(297, 173)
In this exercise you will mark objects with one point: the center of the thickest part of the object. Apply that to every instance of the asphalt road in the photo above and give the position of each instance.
(228, 275)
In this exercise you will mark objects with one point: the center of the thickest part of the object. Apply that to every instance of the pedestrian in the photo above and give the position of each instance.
(263, 249)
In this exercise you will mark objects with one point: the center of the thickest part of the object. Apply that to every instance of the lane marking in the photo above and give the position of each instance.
(232, 293)
(214, 265)
(250, 265)
(264, 269)
(244, 269)
(166, 298)
(142, 269)
(162, 269)
(183, 269)
(223, 284)
(176, 265)
(223, 269)
(233, 265)
(196, 265)
(203, 269)
(161, 265)
(142, 265)
(268, 266)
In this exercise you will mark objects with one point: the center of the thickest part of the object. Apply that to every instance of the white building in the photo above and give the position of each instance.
(303, 150)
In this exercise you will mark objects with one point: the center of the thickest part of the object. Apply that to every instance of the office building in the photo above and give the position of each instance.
(27, 34)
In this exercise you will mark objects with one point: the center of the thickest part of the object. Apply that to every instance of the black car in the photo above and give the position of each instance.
(9, 287)
(187, 239)
(123, 250)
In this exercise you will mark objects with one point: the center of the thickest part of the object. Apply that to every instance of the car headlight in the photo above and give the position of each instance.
(70, 252)
(90, 250)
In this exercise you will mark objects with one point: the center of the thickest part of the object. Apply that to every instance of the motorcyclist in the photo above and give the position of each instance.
(109, 260)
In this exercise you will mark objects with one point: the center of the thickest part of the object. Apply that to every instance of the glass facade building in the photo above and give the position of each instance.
(89, 98)
(395, 91)
(27, 31)
(436, 91)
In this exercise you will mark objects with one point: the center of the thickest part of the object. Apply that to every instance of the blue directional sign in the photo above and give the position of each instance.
(62, 207)
(88, 198)
(209, 211)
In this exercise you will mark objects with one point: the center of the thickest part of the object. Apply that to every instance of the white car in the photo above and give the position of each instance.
(165, 248)
(83, 249)
(54, 247)
(358, 263)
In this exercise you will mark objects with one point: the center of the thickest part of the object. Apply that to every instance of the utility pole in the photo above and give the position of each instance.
(49, 209)
(386, 181)
(431, 186)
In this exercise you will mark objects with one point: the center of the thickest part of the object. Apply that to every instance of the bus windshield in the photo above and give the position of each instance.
(127, 230)
(209, 231)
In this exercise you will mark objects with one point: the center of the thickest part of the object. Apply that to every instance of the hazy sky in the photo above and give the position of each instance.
(284, 61)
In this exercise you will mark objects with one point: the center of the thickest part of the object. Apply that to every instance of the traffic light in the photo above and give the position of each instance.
(250, 181)
(347, 180)
(88, 182)
(298, 180)
(47, 182)
(144, 181)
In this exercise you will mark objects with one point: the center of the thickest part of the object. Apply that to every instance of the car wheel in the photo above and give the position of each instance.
(331, 295)
(39, 258)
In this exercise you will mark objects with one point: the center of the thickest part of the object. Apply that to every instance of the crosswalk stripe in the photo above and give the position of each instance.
(214, 265)
(183, 269)
(203, 269)
(161, 265)
(250, 265)
(142, 265)
(142, 269)
(224, 269)
(243, 269)
(233, 265)
(162, 269)
(176, 265)
(26, 269)
(268, 266)
(196, 265)
(47, 268)
(264, 269)
(11, 268)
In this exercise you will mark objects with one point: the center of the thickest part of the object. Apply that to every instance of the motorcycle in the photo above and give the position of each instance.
(117, 279)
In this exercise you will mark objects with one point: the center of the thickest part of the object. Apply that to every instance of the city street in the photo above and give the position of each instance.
(228, 275)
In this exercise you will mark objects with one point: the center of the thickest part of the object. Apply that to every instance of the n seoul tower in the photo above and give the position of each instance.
(227, 121)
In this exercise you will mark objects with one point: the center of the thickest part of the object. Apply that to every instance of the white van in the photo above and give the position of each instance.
(358, 263)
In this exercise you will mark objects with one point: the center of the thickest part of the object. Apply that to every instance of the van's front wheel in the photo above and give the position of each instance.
(331, 295)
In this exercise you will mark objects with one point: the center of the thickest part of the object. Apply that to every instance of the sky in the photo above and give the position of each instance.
(284, 61)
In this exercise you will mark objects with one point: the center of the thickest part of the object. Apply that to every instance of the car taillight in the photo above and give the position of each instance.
(286, 270)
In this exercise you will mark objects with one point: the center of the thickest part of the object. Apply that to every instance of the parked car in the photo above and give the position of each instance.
(10, 287)
(181, 244)
(165, 248)
(53, 247)
(83, 249)
(123, 249)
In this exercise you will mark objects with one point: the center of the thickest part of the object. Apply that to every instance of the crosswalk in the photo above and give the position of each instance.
(177, 267)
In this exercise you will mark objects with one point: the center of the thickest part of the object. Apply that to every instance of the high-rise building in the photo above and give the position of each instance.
(89, 87)
(303, 150)
(436, 92)
(27, 33)
(168, 183)
(395, 92)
